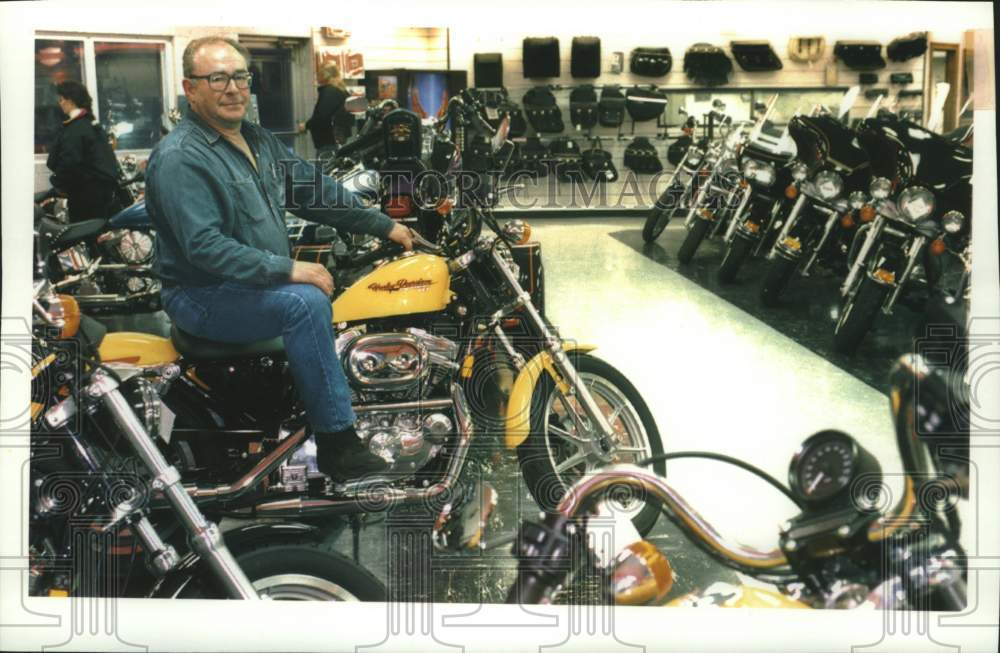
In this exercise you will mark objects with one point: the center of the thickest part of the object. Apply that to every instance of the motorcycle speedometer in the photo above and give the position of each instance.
(827, 466)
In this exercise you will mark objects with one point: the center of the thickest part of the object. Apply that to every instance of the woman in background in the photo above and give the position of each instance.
(82, 162)
(330, 124)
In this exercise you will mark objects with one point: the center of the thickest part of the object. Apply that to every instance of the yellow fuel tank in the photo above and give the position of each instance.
(419, 283)
(140, 349)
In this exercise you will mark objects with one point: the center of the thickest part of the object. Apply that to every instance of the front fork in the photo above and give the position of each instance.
(874, 233)
(779, 243)
(744, 200)
(573, 384)
(861, 262)
(831, 221)
(205, 536)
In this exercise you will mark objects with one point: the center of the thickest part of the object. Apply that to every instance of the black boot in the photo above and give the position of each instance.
(342, 456)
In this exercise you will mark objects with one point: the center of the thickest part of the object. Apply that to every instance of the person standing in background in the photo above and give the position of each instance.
(83, 164)
(330, 124)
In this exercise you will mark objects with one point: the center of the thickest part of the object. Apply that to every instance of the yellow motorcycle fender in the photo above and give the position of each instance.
(519, 405)
(724, 595)
(142, 349)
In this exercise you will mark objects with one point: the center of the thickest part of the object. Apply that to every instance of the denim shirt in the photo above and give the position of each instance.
(218, 219)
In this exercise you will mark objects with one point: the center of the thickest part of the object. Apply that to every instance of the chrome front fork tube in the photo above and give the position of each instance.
(747, 193)
(859, 263)
(827, 229)
(789, 222)
(702, 190)
(911, 260)
(561, 361)
(205, 536)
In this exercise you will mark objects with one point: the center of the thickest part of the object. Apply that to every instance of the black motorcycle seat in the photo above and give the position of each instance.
(195, 348)
(72, 233)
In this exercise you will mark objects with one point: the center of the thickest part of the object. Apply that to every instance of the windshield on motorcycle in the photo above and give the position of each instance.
(822, 139)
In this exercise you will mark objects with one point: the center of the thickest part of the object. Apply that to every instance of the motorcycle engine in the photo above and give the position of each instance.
(390, 368)
(396, 366)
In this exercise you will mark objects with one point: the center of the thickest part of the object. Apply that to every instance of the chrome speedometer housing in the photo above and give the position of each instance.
(831, 468)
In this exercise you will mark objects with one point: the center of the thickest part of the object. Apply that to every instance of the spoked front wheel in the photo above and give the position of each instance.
(557, 453)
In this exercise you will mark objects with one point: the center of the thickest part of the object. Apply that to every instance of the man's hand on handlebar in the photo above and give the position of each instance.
(402, 236)
(314, 273)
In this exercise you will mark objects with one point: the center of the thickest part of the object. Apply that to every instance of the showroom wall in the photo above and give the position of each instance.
(678, 28)
(823, 75)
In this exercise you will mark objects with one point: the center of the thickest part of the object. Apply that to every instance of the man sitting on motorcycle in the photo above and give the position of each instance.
(216, 193)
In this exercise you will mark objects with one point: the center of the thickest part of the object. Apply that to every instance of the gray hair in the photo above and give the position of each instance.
(187, 59)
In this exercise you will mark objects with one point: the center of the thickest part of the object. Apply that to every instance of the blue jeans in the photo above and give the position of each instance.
(301, 313)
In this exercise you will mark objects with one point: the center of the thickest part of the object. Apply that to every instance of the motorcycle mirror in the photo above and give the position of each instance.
(356, 104)
(850, 97)
(936, 117)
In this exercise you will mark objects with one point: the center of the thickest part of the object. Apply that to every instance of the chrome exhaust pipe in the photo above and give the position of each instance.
(287, 447)
(377, 495)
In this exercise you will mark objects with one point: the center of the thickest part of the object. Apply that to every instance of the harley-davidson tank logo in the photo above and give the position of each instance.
(400, 132)
(401, 284)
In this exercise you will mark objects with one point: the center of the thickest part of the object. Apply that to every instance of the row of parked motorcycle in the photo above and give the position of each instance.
(141, 443)
(878, 203)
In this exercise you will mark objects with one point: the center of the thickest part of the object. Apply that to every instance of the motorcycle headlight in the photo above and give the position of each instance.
(916, 203)
(880, 188)
(953, 221)
(694, 158)
(857, 199)
(800, 171)
(518, 231)
(829, 185)
(762, 173)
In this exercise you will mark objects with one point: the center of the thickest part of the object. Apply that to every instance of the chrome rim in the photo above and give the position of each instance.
(572, 460)
(301, 587)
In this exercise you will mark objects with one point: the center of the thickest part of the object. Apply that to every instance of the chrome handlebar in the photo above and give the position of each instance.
(906, 373)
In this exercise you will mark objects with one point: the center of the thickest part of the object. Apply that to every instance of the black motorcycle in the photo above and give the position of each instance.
(922, 212)
(103, 496)
(105, 263)
(764, 164)
(692, 160)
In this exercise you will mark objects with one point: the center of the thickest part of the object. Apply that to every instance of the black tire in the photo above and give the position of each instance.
(301, 572)
(539, 453)
(660, 214)
(858, 315)
(779, 272)
(656, 222)
(736, 254)
(693, 239)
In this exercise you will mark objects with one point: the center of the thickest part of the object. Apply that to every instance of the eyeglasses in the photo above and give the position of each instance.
(220, 81)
